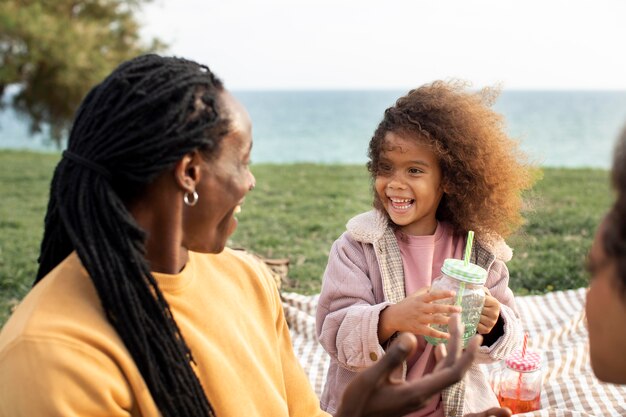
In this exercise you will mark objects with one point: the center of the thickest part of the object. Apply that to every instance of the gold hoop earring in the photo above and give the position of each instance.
(191, 198)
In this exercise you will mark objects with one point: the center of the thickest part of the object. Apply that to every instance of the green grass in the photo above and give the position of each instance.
(24, 186)
(297, 211)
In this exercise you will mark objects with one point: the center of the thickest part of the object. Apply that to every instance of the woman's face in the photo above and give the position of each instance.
(606, 314)
(225, 180)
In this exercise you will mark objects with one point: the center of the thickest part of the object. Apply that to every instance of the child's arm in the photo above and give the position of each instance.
(349, 306)
(506, 332)
(353, 321)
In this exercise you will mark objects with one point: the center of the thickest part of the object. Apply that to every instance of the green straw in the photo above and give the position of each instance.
(459, 294)
(468, 247)
(466, 261)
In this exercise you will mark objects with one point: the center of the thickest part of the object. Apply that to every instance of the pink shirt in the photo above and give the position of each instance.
(422, 258)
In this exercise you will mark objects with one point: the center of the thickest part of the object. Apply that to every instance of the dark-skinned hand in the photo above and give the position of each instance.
(492, 412)
(374, 393)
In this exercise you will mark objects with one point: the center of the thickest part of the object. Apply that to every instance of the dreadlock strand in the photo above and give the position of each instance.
(56, 244)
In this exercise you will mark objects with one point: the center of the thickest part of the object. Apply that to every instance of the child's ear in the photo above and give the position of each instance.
(445, 186)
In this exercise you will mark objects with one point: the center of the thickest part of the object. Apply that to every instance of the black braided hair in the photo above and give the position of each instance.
(136, 124)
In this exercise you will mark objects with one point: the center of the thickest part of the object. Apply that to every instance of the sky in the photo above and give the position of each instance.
(364, 44)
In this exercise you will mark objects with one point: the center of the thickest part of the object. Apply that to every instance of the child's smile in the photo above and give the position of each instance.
(401, 203)
(408, 183)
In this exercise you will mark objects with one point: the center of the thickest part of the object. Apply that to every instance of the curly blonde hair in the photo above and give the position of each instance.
(484, 171)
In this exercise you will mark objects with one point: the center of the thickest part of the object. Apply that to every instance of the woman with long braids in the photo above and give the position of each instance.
(138, 309)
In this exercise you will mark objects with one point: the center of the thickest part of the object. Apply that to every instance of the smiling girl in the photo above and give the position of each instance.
(441, 165)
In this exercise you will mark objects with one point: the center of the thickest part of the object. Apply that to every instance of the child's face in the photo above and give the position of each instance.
(408, 184)
(606, 313)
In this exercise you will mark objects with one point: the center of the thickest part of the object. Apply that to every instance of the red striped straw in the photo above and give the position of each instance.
(524, 345)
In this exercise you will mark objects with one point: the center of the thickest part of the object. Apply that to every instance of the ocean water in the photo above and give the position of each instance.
(556, 128)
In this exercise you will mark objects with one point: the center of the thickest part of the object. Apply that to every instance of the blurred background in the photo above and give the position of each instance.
(317, 75)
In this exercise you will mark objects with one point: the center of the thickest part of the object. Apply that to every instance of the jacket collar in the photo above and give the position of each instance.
(369, 227)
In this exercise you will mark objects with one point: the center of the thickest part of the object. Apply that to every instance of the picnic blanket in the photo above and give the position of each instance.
(556, 326)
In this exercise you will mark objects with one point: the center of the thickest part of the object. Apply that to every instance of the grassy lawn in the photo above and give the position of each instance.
(297, 211)
(24, 186)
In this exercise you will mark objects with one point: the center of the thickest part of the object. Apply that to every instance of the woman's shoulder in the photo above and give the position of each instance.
(64, 294)
(238, 260)
(62, 310)
(245, 263)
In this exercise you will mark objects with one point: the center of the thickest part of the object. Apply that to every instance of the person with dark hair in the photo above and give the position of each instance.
(606, 298)
(138, 309)
(441, 164)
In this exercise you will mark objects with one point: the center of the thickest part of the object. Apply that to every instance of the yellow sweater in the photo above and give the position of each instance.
(59, 356)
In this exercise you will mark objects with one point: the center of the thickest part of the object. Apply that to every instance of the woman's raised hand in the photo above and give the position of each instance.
(415, 313)
(375, 393)
(492, 412)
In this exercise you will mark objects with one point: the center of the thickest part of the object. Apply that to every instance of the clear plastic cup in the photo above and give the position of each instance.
(467, 280)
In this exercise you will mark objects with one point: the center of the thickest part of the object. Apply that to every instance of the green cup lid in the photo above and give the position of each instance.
(470, 273)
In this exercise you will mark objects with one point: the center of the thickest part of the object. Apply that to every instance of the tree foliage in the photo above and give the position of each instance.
(56, 50)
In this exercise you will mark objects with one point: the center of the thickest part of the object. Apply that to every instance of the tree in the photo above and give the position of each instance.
(56, 50)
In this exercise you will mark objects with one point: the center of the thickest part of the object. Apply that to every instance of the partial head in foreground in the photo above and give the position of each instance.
(606, 298)
(451, 137)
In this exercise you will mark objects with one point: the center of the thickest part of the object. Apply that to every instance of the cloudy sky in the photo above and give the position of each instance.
(364, 44)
